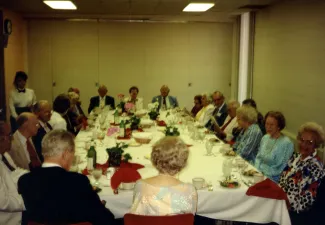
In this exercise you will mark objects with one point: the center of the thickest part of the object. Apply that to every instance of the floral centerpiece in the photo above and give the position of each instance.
(115, 155)
(153, 110)
(134, 122)
(129, 107)
(121, 105)
(172, 131)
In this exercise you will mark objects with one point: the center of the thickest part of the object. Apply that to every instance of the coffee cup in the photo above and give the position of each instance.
(198, 182)
(127, 186)
(258, 177)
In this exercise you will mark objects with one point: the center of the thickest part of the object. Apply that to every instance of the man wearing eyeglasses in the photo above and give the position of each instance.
(22, 150)
(12, 204)
(221, 111)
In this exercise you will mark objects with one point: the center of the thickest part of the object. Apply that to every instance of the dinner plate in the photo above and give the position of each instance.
(134, 144)
(122, 189)
(230, 186)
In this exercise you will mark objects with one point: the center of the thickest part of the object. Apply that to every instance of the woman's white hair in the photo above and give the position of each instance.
(208, 96)
(234, 104)
(314, 128)
(247, 113)
(56, 142)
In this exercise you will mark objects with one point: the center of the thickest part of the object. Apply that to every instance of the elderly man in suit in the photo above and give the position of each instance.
(53, 195)
(22, 150)
(102, 100)
(43, 110)
(12, 204)
(220, 112)
(165, 101)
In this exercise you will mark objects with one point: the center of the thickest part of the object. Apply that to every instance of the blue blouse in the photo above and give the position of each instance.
(273, 156)
(247, 142)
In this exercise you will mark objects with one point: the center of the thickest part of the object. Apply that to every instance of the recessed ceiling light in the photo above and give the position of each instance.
(198, 7)
(61, 5)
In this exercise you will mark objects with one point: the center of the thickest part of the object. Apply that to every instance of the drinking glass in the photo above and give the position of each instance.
(208, 147)
(97, 174)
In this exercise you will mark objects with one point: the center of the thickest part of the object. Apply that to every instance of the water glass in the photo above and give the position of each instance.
(97, 174)
(208, 147)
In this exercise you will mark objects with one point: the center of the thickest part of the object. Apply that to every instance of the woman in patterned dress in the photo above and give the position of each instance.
(164, 194)
(303, 175)
(275, 149)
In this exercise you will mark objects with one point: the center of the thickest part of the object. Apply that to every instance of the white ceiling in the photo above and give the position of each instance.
(155, 10)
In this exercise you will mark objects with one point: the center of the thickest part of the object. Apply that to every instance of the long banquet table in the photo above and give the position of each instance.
(221, 203)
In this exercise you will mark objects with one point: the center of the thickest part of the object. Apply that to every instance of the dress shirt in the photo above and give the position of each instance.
(47, 165)
(11, 203)
(167, 102)
(204, 115)
(23, 141)
(18, 172)
(44, 125)
(102, 101)
(22, 99)
(57, 121)
(228, 129)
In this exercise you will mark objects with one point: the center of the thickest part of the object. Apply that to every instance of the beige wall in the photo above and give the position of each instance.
(289, 61)
(15, 53)
(123, 54)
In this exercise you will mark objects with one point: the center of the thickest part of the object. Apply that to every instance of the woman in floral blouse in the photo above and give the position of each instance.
(304, 172)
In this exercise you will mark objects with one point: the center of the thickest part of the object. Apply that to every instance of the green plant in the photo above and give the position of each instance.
(134, 120)
(115, 154)
(153, 114)
(117, 149)
(126, 157)
(172, 131)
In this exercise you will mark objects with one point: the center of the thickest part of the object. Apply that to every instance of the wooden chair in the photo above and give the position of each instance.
(182, 219)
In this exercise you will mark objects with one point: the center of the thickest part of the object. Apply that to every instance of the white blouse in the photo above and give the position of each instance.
(22, 99)
(138, 102)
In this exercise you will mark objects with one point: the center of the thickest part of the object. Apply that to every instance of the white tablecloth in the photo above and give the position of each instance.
(221, 203)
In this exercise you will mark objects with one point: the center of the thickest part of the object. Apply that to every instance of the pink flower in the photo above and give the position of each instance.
(128, 106)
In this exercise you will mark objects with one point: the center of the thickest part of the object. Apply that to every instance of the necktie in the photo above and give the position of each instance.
(5, 161)
(21, 91)
(34, 160)
(225, 125)
(164, 101)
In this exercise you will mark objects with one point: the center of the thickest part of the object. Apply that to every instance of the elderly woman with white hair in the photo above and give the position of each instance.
(249, 138)
(303, 175)
(225, 132)
(164, 194)
(204, 115)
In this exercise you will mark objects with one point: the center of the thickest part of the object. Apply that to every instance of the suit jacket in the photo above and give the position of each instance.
(172, 101)
(18, 154)
(37, 141)
(54, 195)
(220, 116)
(94, 102)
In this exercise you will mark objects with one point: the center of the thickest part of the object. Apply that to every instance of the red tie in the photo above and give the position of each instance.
(225, 125)
(34, 160)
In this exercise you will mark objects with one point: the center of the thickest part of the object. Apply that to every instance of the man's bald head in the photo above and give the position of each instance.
(27, 124)
(164, 90)
(102, 90)
(43, 110)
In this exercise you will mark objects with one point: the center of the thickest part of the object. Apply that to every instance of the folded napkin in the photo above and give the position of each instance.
(135, 166)
(112, 130)
(267, 189)
(126, 175)
(161, 123)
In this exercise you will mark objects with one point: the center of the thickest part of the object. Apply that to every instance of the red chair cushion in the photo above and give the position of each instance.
(182, 219)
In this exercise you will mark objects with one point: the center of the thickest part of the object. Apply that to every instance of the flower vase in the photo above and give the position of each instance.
(134, 126)
(114, 159)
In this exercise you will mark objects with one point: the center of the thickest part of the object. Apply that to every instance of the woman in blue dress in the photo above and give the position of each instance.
(275, 148)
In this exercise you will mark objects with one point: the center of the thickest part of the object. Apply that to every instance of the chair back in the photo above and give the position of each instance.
(82, 223)
(182, 219)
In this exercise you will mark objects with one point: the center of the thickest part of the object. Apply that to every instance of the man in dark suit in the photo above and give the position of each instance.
(53, 195)
(102, 100)
(43, 111)
(221, 112)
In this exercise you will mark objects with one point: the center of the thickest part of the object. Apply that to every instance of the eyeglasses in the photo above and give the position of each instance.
(306, 142)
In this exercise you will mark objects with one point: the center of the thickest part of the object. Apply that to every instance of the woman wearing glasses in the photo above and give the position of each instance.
(303, 175)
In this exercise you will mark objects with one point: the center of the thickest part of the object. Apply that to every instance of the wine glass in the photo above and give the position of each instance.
(97, 174)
